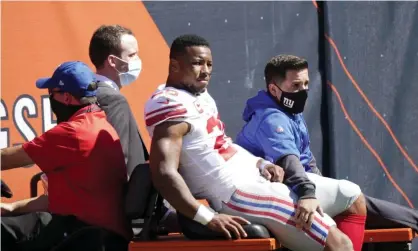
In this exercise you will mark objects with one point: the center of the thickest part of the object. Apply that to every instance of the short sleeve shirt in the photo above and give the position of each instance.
(86, 171)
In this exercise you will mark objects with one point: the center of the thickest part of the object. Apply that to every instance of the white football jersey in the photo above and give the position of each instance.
(210, 163)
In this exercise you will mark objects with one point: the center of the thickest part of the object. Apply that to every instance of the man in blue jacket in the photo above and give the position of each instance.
(276, 130)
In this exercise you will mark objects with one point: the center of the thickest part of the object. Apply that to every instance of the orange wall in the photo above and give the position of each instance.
(37, 36)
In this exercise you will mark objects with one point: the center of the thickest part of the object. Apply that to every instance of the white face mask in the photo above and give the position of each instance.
(134, 69)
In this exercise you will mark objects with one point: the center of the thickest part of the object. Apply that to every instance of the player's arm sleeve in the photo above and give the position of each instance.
(314, 167)
(295, 177)
(164, 108)
(275, 135)
(55, 148)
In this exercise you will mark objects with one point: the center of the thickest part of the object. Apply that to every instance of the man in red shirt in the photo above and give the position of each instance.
(83, 160)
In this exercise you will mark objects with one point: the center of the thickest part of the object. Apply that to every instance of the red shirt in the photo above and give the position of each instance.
(86, 170)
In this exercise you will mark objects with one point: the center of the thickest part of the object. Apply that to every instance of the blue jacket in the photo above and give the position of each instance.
(272, 133)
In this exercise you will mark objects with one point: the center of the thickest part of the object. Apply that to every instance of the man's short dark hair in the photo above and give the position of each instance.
(279, 65)
(106, 40)
(179, 45)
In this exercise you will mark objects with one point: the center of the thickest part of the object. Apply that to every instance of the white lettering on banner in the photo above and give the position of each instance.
(4, 134)
(288, 102)
(28, 104)
(25, 108)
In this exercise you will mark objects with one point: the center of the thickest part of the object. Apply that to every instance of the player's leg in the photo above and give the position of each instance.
(343, 201)
(337, 241)
(273, 205)
(385, 214)
(335, 196)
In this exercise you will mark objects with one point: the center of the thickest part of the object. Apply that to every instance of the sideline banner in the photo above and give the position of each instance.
(36, 37)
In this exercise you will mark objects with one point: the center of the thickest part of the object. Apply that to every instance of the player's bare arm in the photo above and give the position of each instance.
(164, 161)
(14, 157)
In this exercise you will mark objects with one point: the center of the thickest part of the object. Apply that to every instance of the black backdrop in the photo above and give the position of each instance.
(361, 112)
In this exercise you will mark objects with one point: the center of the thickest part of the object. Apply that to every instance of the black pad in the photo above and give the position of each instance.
(196, 231)
(138, 192)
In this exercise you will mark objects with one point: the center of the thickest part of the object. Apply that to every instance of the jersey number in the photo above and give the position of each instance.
(224, 148)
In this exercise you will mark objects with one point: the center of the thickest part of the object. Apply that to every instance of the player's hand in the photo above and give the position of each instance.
(225, 224)
(305, 212)
(273, 173)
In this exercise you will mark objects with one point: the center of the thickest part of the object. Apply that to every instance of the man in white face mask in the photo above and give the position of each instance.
(132, 71)
(114, 52)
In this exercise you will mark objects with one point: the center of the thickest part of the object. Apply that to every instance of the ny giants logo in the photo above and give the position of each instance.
(288, 102)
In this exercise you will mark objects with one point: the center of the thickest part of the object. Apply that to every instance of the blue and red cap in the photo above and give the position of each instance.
(74, 77)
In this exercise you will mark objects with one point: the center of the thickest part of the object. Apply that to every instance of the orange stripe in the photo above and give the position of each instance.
(369, 146)
(388, 128)
(405, 154)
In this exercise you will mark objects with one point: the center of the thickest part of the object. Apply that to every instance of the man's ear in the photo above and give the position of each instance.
(111, 60)
(272, 88)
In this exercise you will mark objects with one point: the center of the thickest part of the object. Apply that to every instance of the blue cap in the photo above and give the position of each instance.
(73, 77)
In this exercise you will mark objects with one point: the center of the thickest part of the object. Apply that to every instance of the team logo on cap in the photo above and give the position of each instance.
(279, 129)
(61, 83)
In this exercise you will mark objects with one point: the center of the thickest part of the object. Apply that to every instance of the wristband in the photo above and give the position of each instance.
(263, 164)
(203, 215)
